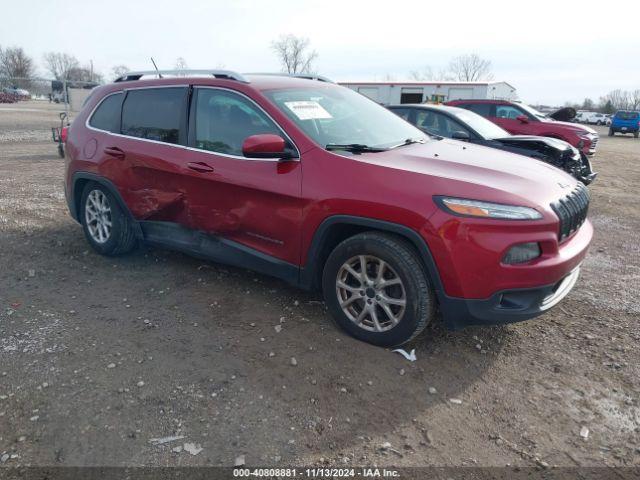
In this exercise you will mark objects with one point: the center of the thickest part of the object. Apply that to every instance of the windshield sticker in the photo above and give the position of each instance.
(307, 110)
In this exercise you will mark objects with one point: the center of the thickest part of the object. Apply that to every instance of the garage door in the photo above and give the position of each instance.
(460, 93)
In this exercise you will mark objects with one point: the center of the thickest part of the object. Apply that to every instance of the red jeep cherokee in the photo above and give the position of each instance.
(521, 119)
(316, 184)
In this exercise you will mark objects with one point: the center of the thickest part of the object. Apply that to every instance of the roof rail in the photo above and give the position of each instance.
(307, 76)
(227, 74)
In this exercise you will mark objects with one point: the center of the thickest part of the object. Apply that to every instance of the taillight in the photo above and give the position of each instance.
(64, 133)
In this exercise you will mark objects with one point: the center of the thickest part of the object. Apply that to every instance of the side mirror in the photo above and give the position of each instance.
(265, 145)
(522, 119)
(460, 135)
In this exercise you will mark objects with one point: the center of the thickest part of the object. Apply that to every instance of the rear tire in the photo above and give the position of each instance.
(391, 303)
(611, 132)
(106, 226)
(636, 134)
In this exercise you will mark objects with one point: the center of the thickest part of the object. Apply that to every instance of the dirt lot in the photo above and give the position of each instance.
(100, 355)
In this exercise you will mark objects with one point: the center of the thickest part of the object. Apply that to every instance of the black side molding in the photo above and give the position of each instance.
(200, 244)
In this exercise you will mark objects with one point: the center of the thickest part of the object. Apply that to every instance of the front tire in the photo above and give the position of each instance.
(106, 226)
(377, 289)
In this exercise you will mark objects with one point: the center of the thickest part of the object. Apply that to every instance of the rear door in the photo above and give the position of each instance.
(153, 139)
(255, 202)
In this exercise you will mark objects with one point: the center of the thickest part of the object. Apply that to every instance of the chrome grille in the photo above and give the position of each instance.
(572, 211)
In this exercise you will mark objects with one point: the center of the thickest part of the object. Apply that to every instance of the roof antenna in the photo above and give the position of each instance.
(156, 67)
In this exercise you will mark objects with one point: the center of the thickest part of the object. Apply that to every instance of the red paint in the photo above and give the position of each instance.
(276, 207)
(257, 145)
(572, 133)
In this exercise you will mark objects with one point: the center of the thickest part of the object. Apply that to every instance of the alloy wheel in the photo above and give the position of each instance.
(98, 216)
(371, 293)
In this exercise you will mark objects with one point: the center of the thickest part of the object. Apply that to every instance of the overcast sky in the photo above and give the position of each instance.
(551, 51)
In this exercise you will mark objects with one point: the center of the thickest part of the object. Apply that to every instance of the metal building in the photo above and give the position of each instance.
(388, 93)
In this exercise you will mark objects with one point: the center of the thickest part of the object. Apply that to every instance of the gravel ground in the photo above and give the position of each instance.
(98, 356)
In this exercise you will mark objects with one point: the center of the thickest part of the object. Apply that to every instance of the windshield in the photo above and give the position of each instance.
(485, 128)
(338, 116)
(533, 111)
(623, 115)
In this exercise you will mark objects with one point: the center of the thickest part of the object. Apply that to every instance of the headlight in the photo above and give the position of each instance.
(476, 208)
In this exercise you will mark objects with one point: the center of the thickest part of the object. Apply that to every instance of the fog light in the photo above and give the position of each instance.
(522, 253)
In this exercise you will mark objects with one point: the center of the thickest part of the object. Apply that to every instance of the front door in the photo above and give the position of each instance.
(254, 202)
(507, 117)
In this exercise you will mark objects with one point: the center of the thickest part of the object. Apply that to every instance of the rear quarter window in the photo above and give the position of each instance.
(155, 114)
(107, 115)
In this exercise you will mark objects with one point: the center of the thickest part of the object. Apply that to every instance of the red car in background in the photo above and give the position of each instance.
(521, 119)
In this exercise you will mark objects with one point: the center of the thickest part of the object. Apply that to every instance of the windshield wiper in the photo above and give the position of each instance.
(353, 147)
(409, 141)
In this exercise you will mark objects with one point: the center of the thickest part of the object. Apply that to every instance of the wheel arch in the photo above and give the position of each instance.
(337, 228)
(80, 180)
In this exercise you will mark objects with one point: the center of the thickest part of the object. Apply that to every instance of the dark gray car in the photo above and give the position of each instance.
(461, 124)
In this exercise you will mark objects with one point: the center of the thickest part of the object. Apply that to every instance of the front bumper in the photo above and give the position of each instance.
(625, 129)
(507, 306)
(588, 143)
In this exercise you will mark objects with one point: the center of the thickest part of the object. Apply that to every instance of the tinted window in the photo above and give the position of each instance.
(438, 124)
(402, 112)
(224, 120)
(508, 111)
(155, 114)
(626, 115)
(483, 109)
(107, 115)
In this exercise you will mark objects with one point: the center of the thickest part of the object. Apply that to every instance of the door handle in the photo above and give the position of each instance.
(114, 152)
(200, 167)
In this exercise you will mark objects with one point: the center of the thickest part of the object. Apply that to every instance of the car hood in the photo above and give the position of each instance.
(564, 114)
(500, 176)
(554, 143)
(583, 129)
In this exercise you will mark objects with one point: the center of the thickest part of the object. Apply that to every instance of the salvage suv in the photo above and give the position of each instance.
(318, 185)
(520, 119)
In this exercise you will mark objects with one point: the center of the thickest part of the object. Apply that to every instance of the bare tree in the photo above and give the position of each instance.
(181, 64)
(60, 64)
(119, 70)
(424, 75)
(634, 99)
(470, 68)
(620, 99)
(14, 62)
(294, 54)
(428, 75)
(83, 75)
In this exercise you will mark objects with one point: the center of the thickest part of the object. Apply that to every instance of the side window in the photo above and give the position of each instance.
(107, 115)
(439, 124)
(223, 120)
(427, 120)
(402, 112)
(482, 109)
(508, 111)
(154, 114)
